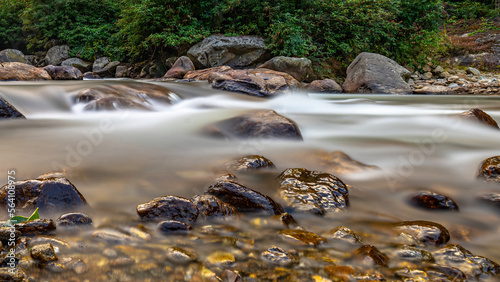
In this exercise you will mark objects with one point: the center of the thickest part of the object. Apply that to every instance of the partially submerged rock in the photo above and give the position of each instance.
(20, 71)
(36, 227)
(479, 115)
(57, 54)
(48, 195)
(375, 74)
(377, 257)
(313, 191)
(489, 170)
(168, 208)
(169, 227)
(7, 111)
(74, 219)
(340, 162)
(301, 237)
(182, 66)
(244, 199)
(433, 201)
(278, 256)
(324, 86)
(43, 253)
(249, 163)
(265, 124)
(63, 72)
(212, 207)
(427, 232)
(344, 234)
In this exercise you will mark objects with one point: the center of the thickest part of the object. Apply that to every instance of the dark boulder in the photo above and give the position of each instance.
(91, 75)
(339, 162)
(254, 82)
(313, 191)
(300, 68)
(489, 170)
(265, 124)
(376, 74)
(48, 195)
(429, 233)
(63, 72)
(211, 207)
(324, 86)
(368, 251)
(56, 55)
(169, 227)
(244, 199)
(433, 201)
(12, 55)
(168, 208)
(104, 67)
(7, 111)
(233, 51)
(36, 227)
(249, 163)
(74, 219)
(180, 68)
(22, 72)
(478, 115)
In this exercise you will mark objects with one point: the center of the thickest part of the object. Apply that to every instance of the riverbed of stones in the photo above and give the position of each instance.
(232, 232)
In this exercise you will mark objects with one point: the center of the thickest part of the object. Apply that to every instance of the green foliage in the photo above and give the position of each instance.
(19, 218)
(10, 22)
(87, 26)
(471, 10)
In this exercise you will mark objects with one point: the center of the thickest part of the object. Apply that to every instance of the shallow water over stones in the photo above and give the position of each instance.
(396, 147)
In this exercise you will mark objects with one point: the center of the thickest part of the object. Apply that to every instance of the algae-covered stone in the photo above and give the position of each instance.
(313, 191)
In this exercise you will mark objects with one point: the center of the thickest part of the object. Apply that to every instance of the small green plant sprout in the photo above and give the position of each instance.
(19, 218)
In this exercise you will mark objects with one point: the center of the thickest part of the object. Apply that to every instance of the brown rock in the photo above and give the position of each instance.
(248, 163)
(206, 74)
(478, 115)
(324, 86)
(372, 252)
(340, 162)
(63, 72)
(433, 201)
(173, 227)
(489, 170)
(434, 90)
(170, 208)
(301, 237)
(210, 206)
(43, 253)
(425, 231)
(36, 227)
(180, 68)
(20, 71)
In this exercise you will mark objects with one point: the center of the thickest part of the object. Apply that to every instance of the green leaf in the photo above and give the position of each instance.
(19, 218)
(34, 215)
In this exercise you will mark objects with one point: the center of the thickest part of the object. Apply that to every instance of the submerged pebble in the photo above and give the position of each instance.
(426, 231)
(433, 201)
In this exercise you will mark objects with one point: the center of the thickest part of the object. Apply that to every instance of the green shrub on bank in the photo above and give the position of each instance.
(11, 33)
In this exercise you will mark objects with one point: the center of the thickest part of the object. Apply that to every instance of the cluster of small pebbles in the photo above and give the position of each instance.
(235, 233)
(435, 80)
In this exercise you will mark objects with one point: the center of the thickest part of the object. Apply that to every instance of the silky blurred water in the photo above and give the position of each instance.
(118, 160)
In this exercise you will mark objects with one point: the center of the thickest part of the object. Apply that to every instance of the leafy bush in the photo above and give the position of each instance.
(471, 10)
(10, 23)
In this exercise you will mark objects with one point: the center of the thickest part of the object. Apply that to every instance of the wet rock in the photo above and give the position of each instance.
(180, 68)
(301, 237)
(43, 253)
(227, 177)
(480, 116)
(13, 275)
(54, 267)
(48, 195)
(233, 51)
(277, 255)
(436, 271)
(230, 276)
(340, 162)
(244, 199)
(24, 72)
(412, 254)
(56, 55)
(210, 206)
(130, 96)
(433, 201)
(472, 71)
(288, 220)
(77, 265)
(7, 111)
(491, 198)
(426, 231)
(376, 74)
(169, 208)
(74, 219)
(413, 274)
(345, 234)
(324, 86)
(179, 256)
(6, 233)
(39, 240)
(473, 266)
(374, 254)
(342, 272)
(91, 75)
(114, 237)
(489, 170)
(206, 74)
(313, 191)
(265, 124)
(221, 259)
(252, 162)
(78, 63)
(255, 82)
(121, 262)
(173, 227)
(35, 227)
(12, 55)
(299, 68)
(63, 72)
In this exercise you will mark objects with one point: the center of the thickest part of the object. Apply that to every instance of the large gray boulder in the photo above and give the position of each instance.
(376, 74)
(299, 68)
(105, 67)
(12, 55)
(63, 72)
(78, 63)
(57, 54)
(233, 51)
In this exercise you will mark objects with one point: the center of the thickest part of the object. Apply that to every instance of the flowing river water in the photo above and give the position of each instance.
(118, 160)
